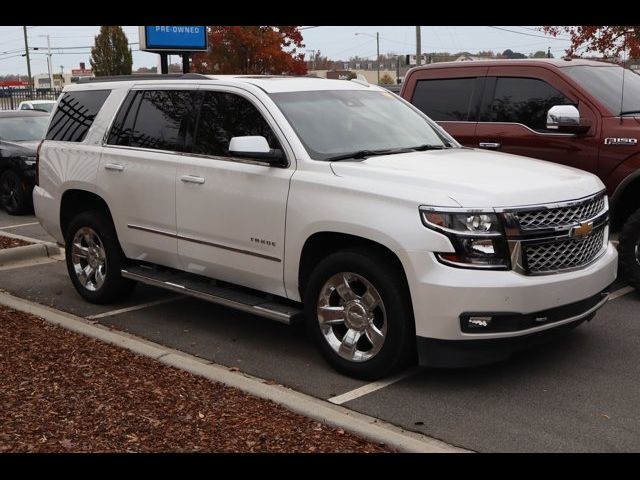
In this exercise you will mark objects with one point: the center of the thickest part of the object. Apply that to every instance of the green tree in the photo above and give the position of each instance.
(541, 54)
(508, 53)
(111, 54)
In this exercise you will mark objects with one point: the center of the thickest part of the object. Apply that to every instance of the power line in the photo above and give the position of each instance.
(528, 34)
(536, 30)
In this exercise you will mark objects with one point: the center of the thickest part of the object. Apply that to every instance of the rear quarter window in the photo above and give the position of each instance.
(447, 99)
(75, 114)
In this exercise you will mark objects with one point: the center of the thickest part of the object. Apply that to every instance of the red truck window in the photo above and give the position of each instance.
(445, 99)
(525, 101)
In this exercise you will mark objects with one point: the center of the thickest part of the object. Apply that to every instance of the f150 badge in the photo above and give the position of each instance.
(620, 141)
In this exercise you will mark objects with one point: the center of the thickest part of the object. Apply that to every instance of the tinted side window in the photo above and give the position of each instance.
(123, 124)
(446, 99)
(162, 119)
(524, 100)
(224, 116)
(75, 114)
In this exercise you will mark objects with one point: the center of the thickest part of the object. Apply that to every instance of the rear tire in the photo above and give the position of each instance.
(629, 249)
(358, 311)
(94, 259)
(15, 195)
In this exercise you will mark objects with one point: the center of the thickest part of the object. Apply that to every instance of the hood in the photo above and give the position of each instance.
(27, 148)
(474, 178)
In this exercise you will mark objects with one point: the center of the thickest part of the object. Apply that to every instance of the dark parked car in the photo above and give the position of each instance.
(20, 133)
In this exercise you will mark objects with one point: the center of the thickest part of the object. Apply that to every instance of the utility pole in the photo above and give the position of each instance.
(378, 54)
(418, 46)
(164, 63)
(49, 62)
(185, 62)
(26, 49)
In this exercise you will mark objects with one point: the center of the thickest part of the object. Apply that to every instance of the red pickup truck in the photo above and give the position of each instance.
(581, 113)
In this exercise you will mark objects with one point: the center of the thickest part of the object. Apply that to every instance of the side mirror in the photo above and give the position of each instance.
(566, 119)
(256, 147)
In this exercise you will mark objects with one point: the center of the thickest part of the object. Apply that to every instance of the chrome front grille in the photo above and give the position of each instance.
(546, 239)
(560, 255)
(556, 217)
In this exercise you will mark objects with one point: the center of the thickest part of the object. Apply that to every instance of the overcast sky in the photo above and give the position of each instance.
(336, 42)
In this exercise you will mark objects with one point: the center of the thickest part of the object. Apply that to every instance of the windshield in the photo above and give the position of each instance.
(45, 107)
(334, 123)
(605, 83)
(21, 129)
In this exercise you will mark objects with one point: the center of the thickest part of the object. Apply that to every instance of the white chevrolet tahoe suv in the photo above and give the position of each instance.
(331, 201)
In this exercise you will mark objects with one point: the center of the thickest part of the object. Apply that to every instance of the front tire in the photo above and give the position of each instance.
(94, 259)
(358, 310)
(629, 249)
(15, 196)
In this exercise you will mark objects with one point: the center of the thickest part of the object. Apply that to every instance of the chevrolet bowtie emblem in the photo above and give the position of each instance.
(581, 230)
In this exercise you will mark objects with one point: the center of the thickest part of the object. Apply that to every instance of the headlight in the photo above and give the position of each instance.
(471, 222)
(477, 238)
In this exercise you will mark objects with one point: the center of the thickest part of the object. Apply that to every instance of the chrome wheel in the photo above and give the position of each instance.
(89, 259)
(352, 317)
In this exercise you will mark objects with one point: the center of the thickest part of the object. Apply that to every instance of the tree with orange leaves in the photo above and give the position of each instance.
(252, 50)
(610, 41)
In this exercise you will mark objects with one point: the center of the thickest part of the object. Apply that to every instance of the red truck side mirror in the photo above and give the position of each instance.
(566, 119)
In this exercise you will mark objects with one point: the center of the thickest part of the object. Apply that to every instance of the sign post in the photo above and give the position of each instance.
(173, 40)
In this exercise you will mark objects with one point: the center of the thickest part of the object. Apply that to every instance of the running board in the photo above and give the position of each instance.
(264, 305)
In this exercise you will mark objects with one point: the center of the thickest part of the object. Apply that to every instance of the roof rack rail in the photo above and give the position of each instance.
(145, 76)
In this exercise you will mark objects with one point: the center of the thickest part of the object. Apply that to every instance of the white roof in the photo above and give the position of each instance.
(268, 83)
(275, 83)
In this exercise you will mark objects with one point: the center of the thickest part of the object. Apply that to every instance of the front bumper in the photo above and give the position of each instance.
(441, 294)
(471, 353)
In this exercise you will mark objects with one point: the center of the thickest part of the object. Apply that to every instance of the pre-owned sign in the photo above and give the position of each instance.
(173, 38)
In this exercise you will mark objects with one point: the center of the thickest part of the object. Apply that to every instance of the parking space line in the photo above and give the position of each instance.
(372, 387)
(134, 308)
(20, 225)
(621, 292)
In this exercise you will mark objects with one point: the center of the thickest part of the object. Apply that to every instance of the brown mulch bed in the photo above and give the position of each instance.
(63, 392)
(7, 242)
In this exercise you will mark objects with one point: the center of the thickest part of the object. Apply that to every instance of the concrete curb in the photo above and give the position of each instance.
(367, 427)
(27, 252)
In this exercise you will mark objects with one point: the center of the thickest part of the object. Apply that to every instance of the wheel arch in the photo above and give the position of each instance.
(75, 201)
(625, 200)
(321, 244)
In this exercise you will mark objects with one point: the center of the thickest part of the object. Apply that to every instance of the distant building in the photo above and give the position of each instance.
(42, 80)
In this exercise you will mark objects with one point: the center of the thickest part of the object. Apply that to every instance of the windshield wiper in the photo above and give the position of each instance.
(627, 112)
(364, 153)
(422, 148)
(371, 153)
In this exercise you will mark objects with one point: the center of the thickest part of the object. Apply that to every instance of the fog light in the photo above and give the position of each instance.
(478, 322)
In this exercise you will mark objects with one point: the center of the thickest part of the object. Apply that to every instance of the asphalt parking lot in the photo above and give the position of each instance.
(579, 393)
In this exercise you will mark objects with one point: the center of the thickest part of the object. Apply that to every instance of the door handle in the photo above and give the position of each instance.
(192, 179)
(489, 145)
(116, 167)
